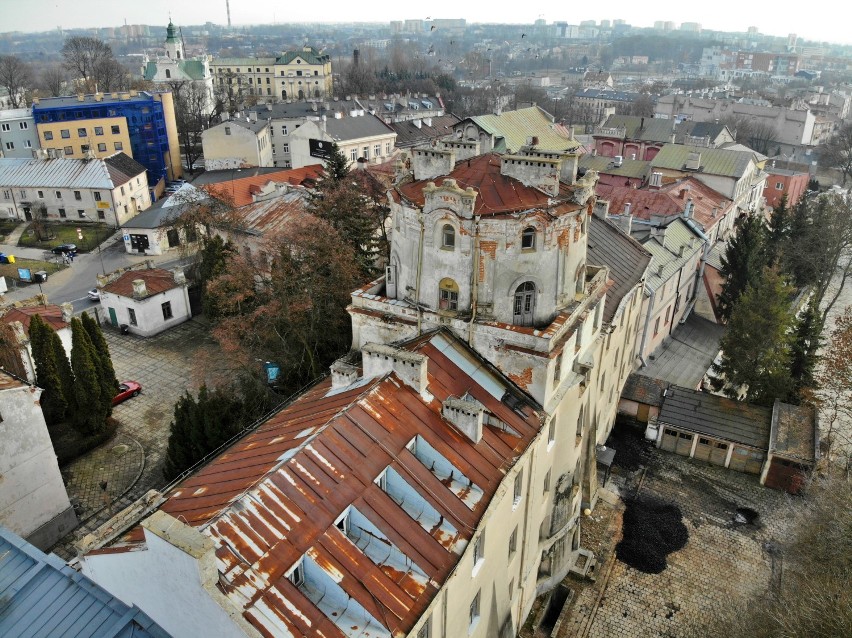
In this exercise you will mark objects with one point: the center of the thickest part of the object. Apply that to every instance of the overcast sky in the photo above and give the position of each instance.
(727, 15)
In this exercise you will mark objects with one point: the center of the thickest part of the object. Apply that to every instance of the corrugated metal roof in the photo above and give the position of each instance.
(64, 173)
(41, 597)
(272, 214)
(515, 127)
(716, 416)
(354, 128)
(665, 251)
(239, 191)
(637, 169)
(714, 161)
(647, 129)
(407, 134)
(626, 258)
(273, 498)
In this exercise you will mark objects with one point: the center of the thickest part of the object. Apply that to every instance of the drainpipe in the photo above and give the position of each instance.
(419, 272)
(474, 287)
(645, 329)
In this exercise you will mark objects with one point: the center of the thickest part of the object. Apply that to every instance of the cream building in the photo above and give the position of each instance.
(237, 143)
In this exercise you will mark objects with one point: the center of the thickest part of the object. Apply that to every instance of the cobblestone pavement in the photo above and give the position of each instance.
(722, 561)
(165, 366)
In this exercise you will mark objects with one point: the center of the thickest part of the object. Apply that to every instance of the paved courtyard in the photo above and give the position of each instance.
(132, 462)
(722, 561)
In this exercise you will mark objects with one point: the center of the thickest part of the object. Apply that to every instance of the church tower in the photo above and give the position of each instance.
(174, 46)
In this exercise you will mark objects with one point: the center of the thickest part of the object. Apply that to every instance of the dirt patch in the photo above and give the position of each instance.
(652, 529)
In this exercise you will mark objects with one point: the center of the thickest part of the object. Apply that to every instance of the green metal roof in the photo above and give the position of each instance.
(647, 129)
(629, 168)
(664, 251)
(714, 161)
(516, 126)
(309, 55)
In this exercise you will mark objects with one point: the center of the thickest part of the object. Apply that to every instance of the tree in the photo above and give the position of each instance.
(757, 134)
(15, 75)
(778, 232)
(804, 357)
(834, 388)
(90, 415)
(742, 263)
(103, 361)
(336, 166)
(52, 80)
(52, 400)
(756, 347)
(92, 60)
(212, 262)
(837, 152)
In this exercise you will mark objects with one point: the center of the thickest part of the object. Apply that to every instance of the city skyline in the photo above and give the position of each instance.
(725, 16)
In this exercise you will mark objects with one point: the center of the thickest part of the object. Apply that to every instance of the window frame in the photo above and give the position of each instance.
(528, 238)
(448, 237)
(168, 313)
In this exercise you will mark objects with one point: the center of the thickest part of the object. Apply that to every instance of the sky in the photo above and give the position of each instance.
(723, 15)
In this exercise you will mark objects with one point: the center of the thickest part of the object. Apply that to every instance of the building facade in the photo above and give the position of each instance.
(237, 143)
(147, 301)
(137, 123)
(18, 135)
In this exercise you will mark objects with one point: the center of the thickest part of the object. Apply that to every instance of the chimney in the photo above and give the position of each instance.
(342, 374)
(693, 162)
(139, 289)
(81, 97)
(67, 312)
(36, 100)
(410, 367)
(627, 207)
(715, 212)
(660, 270)
(179, 276)
(684, 192)
(467, 415)
(568, 174)
(656, 180)
(432, 162)
(314, 107)
(571, 132)
(537, 172)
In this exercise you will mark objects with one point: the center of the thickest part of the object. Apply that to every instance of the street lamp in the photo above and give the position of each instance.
(98, 240)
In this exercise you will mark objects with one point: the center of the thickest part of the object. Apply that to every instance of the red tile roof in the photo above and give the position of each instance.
(274, 496)
(52, 316)
(497, 193)
(241, 190)
(156, 280)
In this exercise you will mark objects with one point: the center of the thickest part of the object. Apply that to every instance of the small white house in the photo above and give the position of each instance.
(57, 317)
(146, 301)
(33, 500)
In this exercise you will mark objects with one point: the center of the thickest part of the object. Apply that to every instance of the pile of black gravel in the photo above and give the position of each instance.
(651, 529)
(632, 451)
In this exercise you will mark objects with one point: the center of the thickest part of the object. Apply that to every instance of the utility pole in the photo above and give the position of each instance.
(228, 8)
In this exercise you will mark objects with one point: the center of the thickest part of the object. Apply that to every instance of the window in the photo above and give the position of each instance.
(377, 150)
(168, 74)
(118, 146)
(122, 191)
(478, 551)
(297, 574)
(557, 370)
(65, 134)
(48, 135)
(84, 148)
(116, 129)
(99, 130)
(28, 144)
(353, 155)
(426, 630)
(81, 132)
(668, 310)
(474, 611)
(58, 194)
(23, 125)
(23, 194)
(101, 214)
(657, 326)
(97, 196)
(524, 304)
(513, 542)
(551, 432)
(546, 486)
(518, 490)
(132, 314)
(365, 152)
(62, 213)
(167, 310)
(285, 148)
(448, 237)
(449, 295)
(227, 130)
(10, 146)
(779, 186)
(6, 126)
(102, 147)
(41, 194)
(387, 148)
(528, 239)
(81, 214)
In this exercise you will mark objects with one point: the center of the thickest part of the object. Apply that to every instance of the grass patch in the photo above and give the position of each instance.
(66, 233)
(70, 445)
(11, 270)
(6, 228)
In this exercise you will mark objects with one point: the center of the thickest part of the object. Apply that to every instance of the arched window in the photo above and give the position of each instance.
(168, 73)
(448, 237)
(524, 306)
(528, 238)
(448, 298)
(316, 92)
(580, 285)
(301, 94)
(283, 94)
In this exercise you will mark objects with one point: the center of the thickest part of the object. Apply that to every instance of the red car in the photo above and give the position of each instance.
(126, 389)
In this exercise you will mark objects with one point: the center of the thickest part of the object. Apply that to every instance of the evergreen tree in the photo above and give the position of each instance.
(213, 261)
(106, 372)
(778, 232)
(756, 347)
(742, 263)
(66, 375)
(336, 166)
(798, 261)
(53, 402)
(91, 413)
(804, 350)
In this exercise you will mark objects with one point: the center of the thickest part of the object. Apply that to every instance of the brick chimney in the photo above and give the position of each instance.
(431, 163)
(410, 367)
(467, 415)
(139, 289)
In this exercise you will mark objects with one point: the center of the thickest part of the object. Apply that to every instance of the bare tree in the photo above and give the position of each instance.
(87, 57)
(757, 134)
(194, 112)
(53, 80)
(15, 75)
(837, 153)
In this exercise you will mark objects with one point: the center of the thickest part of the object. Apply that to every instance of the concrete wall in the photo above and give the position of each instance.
(33, 500)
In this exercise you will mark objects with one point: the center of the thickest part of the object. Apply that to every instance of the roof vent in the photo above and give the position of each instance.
(467, 415)
(617, 161)
(410, 367)
(693, 162)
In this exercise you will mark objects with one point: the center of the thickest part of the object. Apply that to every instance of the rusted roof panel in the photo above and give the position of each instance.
(156, 281)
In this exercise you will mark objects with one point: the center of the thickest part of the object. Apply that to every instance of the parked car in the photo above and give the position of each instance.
(126, 389)
(94, 294)
(63, 249)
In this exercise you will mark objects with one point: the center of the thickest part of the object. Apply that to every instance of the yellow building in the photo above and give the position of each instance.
(101, 136)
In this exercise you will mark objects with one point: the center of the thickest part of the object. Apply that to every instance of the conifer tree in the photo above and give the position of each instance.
(91, 413)
(778, 233)
(804, 349)
(66, 375)
(742, 263)
(336, 166)
(106, 372)
(756, 347)
(53, 402)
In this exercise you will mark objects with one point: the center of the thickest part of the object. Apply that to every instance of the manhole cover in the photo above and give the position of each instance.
(118, 450)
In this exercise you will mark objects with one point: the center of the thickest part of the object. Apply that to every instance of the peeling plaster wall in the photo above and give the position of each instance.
(33, 500)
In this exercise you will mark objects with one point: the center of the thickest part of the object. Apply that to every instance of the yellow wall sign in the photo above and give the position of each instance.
(103, 204)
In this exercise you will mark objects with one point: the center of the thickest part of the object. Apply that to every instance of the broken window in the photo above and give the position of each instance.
(449, 295)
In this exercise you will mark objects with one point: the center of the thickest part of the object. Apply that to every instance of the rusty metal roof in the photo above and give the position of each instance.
(51, 314)
(497, 193)
(273, 501)
(794, 431)
(241, 190)
(156, 280)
